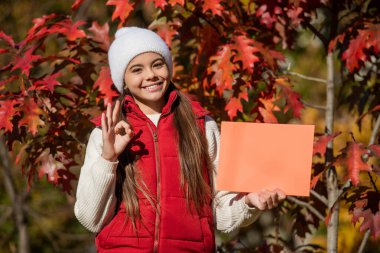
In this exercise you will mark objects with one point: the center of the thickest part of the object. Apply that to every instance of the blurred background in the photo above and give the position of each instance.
(51, 223)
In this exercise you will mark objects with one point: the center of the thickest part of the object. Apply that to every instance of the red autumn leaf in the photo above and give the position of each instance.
(7, 111)
(375, 149)
(77, 4)
(49, 167)
(318, 170)
(222, 69)
(64, 179)
(267, 111)
(376, 108)
(368, 38)
(48, 83)
(7, 39)
(104, 83)
(158, 3)
(174, 2)
(24, 62)
(293, 14)
(233, 106)
(320, 144)
(245, 52)
(209, 42)
(6, 81)
(166, 31)
(354, 53)
(370, 220)
(31, 116)
(214, 6)
(100, 34)
(270, 56)
(373, 37)
(353, 161)
(38, 31)
(292, 97)
(314, 180)
(337, 39)
(70, 30)
(122, 10)
(266, 17)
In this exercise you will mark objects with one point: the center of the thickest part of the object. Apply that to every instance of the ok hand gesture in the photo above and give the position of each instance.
(116, 134)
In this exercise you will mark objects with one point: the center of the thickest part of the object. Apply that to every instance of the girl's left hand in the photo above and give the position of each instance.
(265, 199)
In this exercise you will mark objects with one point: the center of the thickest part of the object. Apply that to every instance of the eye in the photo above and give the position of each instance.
(158, 64)
(136, 70)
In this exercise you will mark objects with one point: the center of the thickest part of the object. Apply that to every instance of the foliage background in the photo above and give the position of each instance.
(53, 227)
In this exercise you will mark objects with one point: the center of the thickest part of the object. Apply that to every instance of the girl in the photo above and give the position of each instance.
(148, 176)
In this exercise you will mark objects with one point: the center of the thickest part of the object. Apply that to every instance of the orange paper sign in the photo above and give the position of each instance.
(257, 156)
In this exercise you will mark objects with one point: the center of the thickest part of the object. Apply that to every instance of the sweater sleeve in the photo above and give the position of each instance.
(230, 209)
(95, 196)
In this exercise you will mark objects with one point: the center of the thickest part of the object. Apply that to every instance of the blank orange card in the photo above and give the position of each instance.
(257, 156)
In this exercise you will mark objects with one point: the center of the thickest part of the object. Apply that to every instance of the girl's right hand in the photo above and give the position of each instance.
(116, 134)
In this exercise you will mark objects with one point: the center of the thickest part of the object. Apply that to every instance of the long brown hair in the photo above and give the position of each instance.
(193, 157)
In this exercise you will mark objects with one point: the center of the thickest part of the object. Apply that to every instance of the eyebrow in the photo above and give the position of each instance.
(141, 65)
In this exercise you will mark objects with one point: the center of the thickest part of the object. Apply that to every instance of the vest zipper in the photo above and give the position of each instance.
(157, 222)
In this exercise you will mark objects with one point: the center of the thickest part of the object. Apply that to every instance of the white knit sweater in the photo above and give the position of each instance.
(96, 200)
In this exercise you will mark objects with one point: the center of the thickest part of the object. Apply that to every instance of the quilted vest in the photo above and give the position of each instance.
(173, 227)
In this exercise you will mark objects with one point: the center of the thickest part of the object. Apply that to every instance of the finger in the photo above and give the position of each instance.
(109, 118)
(270, 201)
(115, 112)
(281, 194)
(104, 124)
(123, 128)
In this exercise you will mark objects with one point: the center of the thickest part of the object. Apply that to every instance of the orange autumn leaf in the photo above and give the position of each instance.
(31, 116)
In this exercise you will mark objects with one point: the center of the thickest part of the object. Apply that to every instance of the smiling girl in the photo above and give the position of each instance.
(147, 182)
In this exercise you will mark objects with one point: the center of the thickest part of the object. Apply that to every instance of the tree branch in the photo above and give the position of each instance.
(375, 131)
(308, 206)
(319, 197)
(16, 199)
(364, 241)
(318, 107)
(317, 33)
(310, 78)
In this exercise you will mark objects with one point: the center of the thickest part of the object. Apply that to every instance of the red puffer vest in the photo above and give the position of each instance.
(173, 228)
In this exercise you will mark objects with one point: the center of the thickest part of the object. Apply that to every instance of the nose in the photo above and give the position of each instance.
(150, 74)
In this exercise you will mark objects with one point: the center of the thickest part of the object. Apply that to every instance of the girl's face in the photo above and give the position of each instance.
(147, 79)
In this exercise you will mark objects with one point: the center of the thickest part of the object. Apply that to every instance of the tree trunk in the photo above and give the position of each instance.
(17, 200)
(331, 176)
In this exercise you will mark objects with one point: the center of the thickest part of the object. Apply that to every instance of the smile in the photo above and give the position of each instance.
(154, 87)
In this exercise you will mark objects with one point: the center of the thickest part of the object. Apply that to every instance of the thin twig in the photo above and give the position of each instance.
(319, 197)
(310, 78)
(202, 16)
(318, 107)
(317, 33)
(375, 131)
(364, 241)
(347, 185)
(307, 205)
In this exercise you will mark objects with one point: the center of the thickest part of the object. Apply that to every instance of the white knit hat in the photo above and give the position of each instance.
(130, 42)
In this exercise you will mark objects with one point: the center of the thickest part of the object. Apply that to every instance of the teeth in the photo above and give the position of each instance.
(152, 87)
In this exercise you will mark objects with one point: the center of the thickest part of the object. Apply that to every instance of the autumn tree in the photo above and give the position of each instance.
(231, 55)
